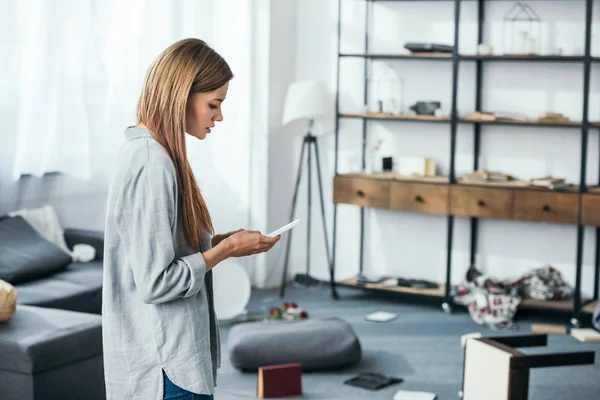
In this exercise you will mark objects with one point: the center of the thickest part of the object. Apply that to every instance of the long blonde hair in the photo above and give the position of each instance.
(188, 66)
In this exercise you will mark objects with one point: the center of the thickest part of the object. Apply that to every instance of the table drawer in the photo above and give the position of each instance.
(361, 192)
(547, 206)
(590, 212)
(419, 197)
(481, 202)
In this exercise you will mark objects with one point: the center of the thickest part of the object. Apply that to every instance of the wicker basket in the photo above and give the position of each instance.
(8, 301)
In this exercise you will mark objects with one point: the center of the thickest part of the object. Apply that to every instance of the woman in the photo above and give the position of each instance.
(161, 337)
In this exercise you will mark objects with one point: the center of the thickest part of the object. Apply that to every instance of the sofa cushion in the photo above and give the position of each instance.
(40, 339)
(25, 255)
(64, 293)
(87, 274)
(317, 344)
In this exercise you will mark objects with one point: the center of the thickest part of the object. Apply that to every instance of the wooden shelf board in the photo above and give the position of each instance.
(392, 176)
(521, 57)
(516, 185)
(568, 124)
(431, 118)
(560, 305)
(593, 190)
(402, 56)
(384, 176)
(390, 116)
(470, 57)
(439, 292)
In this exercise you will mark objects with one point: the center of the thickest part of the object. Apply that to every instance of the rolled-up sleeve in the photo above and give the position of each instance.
(149, 204)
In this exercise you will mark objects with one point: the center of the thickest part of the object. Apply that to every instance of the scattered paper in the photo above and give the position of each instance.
(412, 395)
(381, 316)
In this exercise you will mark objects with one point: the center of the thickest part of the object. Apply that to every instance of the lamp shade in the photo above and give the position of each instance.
(305, 100)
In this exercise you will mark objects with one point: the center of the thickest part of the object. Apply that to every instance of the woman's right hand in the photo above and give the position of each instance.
(246, 243)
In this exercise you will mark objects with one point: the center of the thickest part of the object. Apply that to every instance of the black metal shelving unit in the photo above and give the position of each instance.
(455, 58)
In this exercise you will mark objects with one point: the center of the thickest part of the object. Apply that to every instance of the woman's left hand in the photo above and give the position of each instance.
(220, 237)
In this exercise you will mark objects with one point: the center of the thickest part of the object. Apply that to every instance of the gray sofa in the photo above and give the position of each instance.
(53, 280)
(52, 347)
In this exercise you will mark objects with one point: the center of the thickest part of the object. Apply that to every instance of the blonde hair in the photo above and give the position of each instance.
(188, 66)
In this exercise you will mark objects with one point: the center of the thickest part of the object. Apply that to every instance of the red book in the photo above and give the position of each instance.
(279, 381)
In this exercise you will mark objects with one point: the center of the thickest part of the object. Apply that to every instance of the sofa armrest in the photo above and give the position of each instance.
(85, 236)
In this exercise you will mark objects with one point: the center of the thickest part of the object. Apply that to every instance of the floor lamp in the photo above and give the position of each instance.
(307, 101)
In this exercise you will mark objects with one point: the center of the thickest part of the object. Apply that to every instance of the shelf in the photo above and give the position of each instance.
(399, 56)
(516, 185)
(442, 56)
(393, 117)
(475, 200)
(351, 282)
(431, 118)
(555, 305)
(394, 176)
(523, 58)
(571, 124)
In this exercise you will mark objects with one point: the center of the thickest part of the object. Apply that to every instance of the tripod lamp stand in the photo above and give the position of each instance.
(307, 101)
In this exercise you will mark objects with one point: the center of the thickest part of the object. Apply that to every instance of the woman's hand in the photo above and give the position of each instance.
(246, 243)
(215, 240)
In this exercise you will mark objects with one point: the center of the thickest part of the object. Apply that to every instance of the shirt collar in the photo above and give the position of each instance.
(134, 132)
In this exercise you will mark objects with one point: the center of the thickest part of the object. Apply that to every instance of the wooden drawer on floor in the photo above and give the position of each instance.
(419, 197)
(543, 206)
(481, 202)
(361, 192)
(590, 212)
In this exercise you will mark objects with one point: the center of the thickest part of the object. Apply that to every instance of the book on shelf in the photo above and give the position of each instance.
(487, 176)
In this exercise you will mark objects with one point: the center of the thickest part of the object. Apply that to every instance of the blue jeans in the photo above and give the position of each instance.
(174, 392)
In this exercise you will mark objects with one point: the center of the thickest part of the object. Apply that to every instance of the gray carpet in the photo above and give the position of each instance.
(422, 346)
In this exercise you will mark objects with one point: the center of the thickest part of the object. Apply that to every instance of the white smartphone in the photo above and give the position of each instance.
(284, 228)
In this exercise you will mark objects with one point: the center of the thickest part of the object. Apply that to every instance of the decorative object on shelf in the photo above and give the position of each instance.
(416, 48)
(386, 90)
(484, 49)
(374, 147)
(416, 166)
(521, 30)
(8, 301)
(307, 102)
(425, 107)
(387, 164)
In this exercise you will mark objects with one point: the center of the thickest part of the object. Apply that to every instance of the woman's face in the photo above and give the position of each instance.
(203, 110)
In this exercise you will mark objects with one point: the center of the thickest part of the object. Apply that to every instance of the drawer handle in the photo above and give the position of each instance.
(481, 203)
(419, 199)
(546, 207)
(360, 193)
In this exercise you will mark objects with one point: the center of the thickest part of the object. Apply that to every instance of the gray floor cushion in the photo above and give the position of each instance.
(317, 344)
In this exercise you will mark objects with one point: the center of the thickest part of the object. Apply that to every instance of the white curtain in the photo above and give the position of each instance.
(71, 73)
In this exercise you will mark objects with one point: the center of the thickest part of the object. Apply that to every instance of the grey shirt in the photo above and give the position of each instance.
(157, 299)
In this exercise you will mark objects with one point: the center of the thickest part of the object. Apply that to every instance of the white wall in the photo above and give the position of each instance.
(413, 245)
